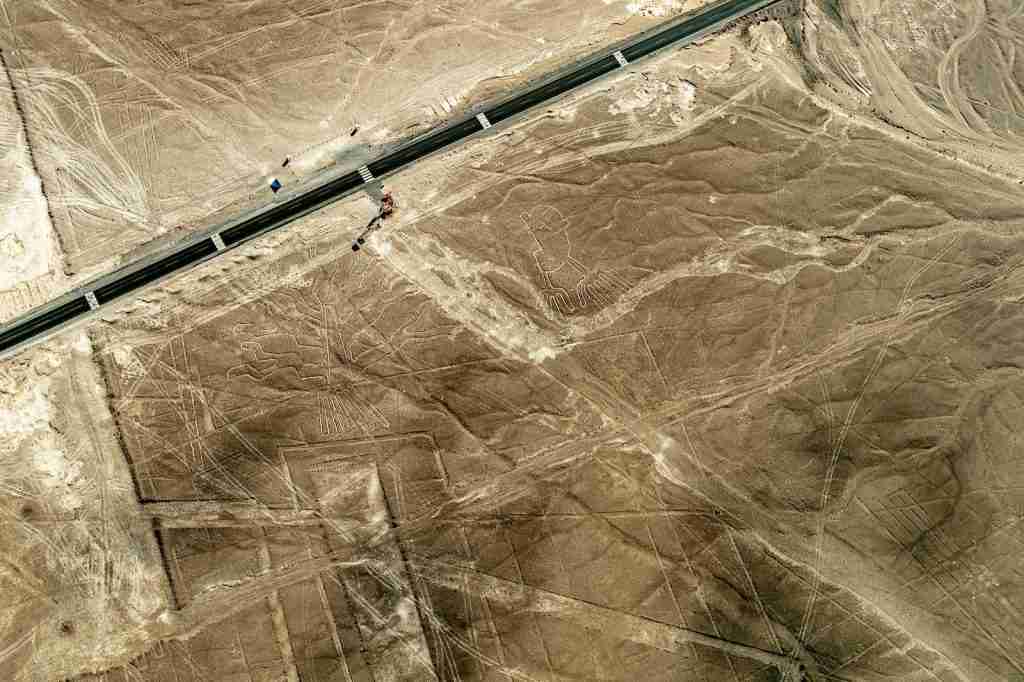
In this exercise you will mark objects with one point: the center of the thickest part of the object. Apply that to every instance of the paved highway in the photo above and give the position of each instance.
(54, 316)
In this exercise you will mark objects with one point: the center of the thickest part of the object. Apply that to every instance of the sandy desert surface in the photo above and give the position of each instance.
(711, 370)
(148, 120)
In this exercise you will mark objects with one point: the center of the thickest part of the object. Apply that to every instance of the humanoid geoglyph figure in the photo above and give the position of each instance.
(569, 285)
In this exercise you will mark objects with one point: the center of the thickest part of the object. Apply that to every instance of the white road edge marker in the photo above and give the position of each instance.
(482, 117)
(365, 174)
(218, 241)
(90, 297)
(620, 58)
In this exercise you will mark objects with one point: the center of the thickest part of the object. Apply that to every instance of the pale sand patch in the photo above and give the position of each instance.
(28, 252)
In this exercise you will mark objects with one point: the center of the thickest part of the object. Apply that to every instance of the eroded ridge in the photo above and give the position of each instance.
(705, 373)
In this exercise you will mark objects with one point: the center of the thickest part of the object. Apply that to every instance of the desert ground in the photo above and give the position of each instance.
(148, 120)
(711, 370)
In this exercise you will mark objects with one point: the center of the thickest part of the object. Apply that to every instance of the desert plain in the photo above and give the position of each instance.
(710, 370)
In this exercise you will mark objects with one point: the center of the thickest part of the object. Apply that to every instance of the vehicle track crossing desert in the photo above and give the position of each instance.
(708, 368)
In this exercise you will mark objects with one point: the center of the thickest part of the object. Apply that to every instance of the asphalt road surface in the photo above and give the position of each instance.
(76, 305)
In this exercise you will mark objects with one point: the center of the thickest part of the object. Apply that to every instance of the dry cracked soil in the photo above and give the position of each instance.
(712, 370)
